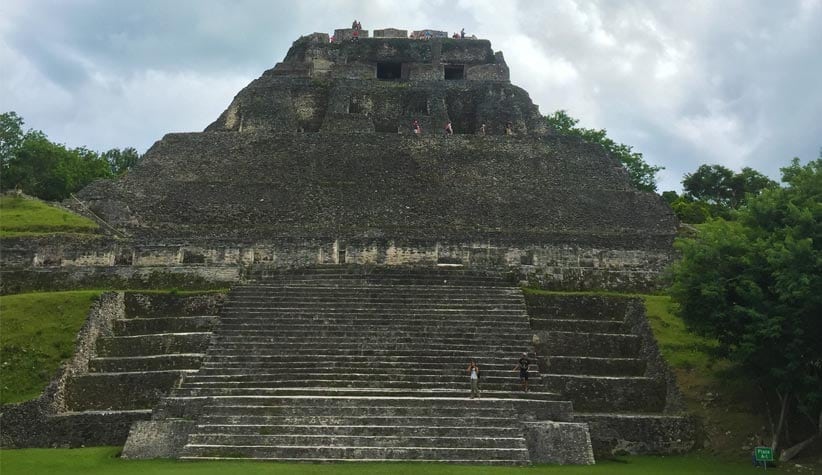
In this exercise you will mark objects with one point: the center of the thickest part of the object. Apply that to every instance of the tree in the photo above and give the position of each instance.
(754, 285)
(52, 171)
(11, 136)
(642, 175)
(722, 187)
(121, 161)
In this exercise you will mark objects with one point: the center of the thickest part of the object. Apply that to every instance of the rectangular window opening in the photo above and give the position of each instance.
(389, 71)
(454, 72)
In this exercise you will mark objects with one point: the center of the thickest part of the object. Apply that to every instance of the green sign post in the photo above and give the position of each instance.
(764, 455)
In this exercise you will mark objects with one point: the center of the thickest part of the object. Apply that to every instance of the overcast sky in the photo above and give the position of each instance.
(733, 82)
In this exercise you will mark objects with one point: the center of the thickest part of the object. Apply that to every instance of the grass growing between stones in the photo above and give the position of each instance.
(37, 333)
(29, 217)
(103, 460)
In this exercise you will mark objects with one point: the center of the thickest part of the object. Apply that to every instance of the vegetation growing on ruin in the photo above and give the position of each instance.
(103, 460)
(26, 217)
(37, 333)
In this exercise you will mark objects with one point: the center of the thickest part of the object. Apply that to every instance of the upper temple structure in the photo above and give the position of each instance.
(339, 155)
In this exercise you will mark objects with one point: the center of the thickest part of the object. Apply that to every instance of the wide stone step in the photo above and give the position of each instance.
(146, 363)
(254, 370)
(407, 439)
(328, 454)
(157, 344)
(596, 366)
(119, 391)
(420, 330)
(372, 430)
(420, 361)
(368, 291)
(400, 321)
(342, 381)
(464, 420)
(337, 378)
(143, 326)
(386, 339)
(187, 393)
(605, 345)
(370, 348)
(609, 393)
(378, 409)
(579, 326)
(389, 298)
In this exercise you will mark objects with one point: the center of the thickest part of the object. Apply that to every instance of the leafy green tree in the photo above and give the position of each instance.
(11, 136)
(722, 187)
(121, 161)
(755, 284)
(642, 175)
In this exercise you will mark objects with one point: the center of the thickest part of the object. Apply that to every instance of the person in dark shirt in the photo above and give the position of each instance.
(522, 366)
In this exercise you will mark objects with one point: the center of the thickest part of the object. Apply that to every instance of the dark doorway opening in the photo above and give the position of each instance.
(389, 71)
(341, 257)
(454, 72)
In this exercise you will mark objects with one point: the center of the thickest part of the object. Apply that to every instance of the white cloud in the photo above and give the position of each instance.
(686, 83)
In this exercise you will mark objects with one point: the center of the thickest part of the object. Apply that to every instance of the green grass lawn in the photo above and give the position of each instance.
(37, 333)
(103, 460)
(29, 217)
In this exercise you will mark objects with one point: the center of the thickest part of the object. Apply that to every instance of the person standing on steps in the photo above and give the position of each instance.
(416, 127)
(448, 129)
(522, 365)
(473, 372)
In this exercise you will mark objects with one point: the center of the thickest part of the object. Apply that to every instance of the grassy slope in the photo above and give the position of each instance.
(37, 333)
(27, 217)
(102, 460)
(730, 406)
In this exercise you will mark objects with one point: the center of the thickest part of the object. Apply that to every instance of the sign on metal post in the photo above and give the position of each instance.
(763, 454)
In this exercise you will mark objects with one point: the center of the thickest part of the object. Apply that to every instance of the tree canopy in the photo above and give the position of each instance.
(52, 171)
(642, 174)
(755, 284)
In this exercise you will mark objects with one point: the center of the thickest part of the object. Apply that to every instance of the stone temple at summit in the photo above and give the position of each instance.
(370, 256)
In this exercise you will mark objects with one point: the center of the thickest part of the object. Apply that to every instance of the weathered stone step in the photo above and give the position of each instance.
(334, 308)
(576, 307)
(157, 344)
(500, 411)
(146, 363)
(188, 393)
(143, 326)
(327, 454)
(366, 291)
(361, 430)
(609, 393)
(119, 391)
(420, 361)
(346, 382)
(337, 378)
(247, 370)
(607, 345)
(386, 339)
(595, 366)
(515, 322)
(418, 330)
(579, 326)
(464, 420)
(407, 440)
(374, 297)
(95, 428)
(462, 356)
(369, 348)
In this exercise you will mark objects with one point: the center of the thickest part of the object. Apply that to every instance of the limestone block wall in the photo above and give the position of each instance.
(192, 264)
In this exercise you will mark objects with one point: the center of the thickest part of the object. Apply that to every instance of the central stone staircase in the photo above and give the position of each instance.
(336, 364)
